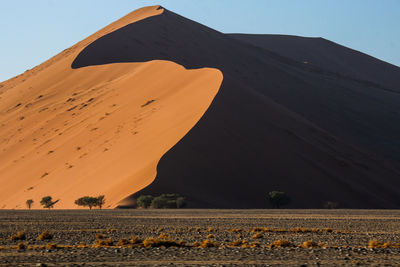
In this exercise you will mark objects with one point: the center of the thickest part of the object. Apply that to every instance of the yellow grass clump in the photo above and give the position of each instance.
(236, 230)
(123, 242)
(210, 230)
(281, 244)
(45, 236)
(104, 243)
(51, 246)
(379, 244)
(136, 240)
(309, 244)
(210, 236)
(18, 236)
(100, 236)
(163, 236)
(257, 235)
(21, 246)
(208, 244)
(154, 242)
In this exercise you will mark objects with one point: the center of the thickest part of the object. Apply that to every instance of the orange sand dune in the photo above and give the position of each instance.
(98, 130)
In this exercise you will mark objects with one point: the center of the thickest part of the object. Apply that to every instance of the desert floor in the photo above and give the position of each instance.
(340, 237)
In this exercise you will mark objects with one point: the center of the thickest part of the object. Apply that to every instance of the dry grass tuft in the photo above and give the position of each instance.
(240, 243)
(255, 245)
(45, 236)
(136, 240)
(281, 244)
(82, 245)
(111, 230)
(104, 243)
(309, 244)
(208, 244)
(163, 236)
(257, 235)
(259, 229)
(21, 246)
(101, 236)
(236, 230)
(378, 244)
(123, 242)
(328, 230)
(18, 236)
(154, 242)
(52, 246)
(210, 230)
(210, 236)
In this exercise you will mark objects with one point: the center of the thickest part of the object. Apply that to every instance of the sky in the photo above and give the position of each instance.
(34, 31)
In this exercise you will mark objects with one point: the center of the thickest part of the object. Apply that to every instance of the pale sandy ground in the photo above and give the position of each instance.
(346, 245)
(97, 130)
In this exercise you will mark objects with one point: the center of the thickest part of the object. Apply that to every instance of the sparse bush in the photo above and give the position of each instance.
(168, 201)
(29, 203)
(278, 199)
(45, 236)
(47, 202)
(331, 205)
(144, 201)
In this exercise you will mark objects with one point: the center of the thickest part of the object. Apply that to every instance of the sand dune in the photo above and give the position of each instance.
(223, 121)
(329, 56)
(96, 130)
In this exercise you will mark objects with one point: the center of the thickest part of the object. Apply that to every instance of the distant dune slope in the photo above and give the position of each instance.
(96, 130)
(275, 124)
(328, 56)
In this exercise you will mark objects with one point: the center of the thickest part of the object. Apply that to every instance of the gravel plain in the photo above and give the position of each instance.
(339, 237)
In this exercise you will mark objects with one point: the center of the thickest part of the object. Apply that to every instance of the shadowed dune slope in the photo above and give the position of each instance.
(99, 130)
(329, 56)
(275, 124)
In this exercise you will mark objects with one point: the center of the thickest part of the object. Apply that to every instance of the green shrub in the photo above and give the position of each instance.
(144, 201)
(278, 199)
(168, 201)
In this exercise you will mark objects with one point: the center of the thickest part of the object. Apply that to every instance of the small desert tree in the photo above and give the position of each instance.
(144, 201)
(100, 201)
(278, 199)
(180, 202)
(47, 202)
(29, 203)
(86, 201)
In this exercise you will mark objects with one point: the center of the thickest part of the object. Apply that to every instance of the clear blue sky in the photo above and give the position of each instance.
(35, 30)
